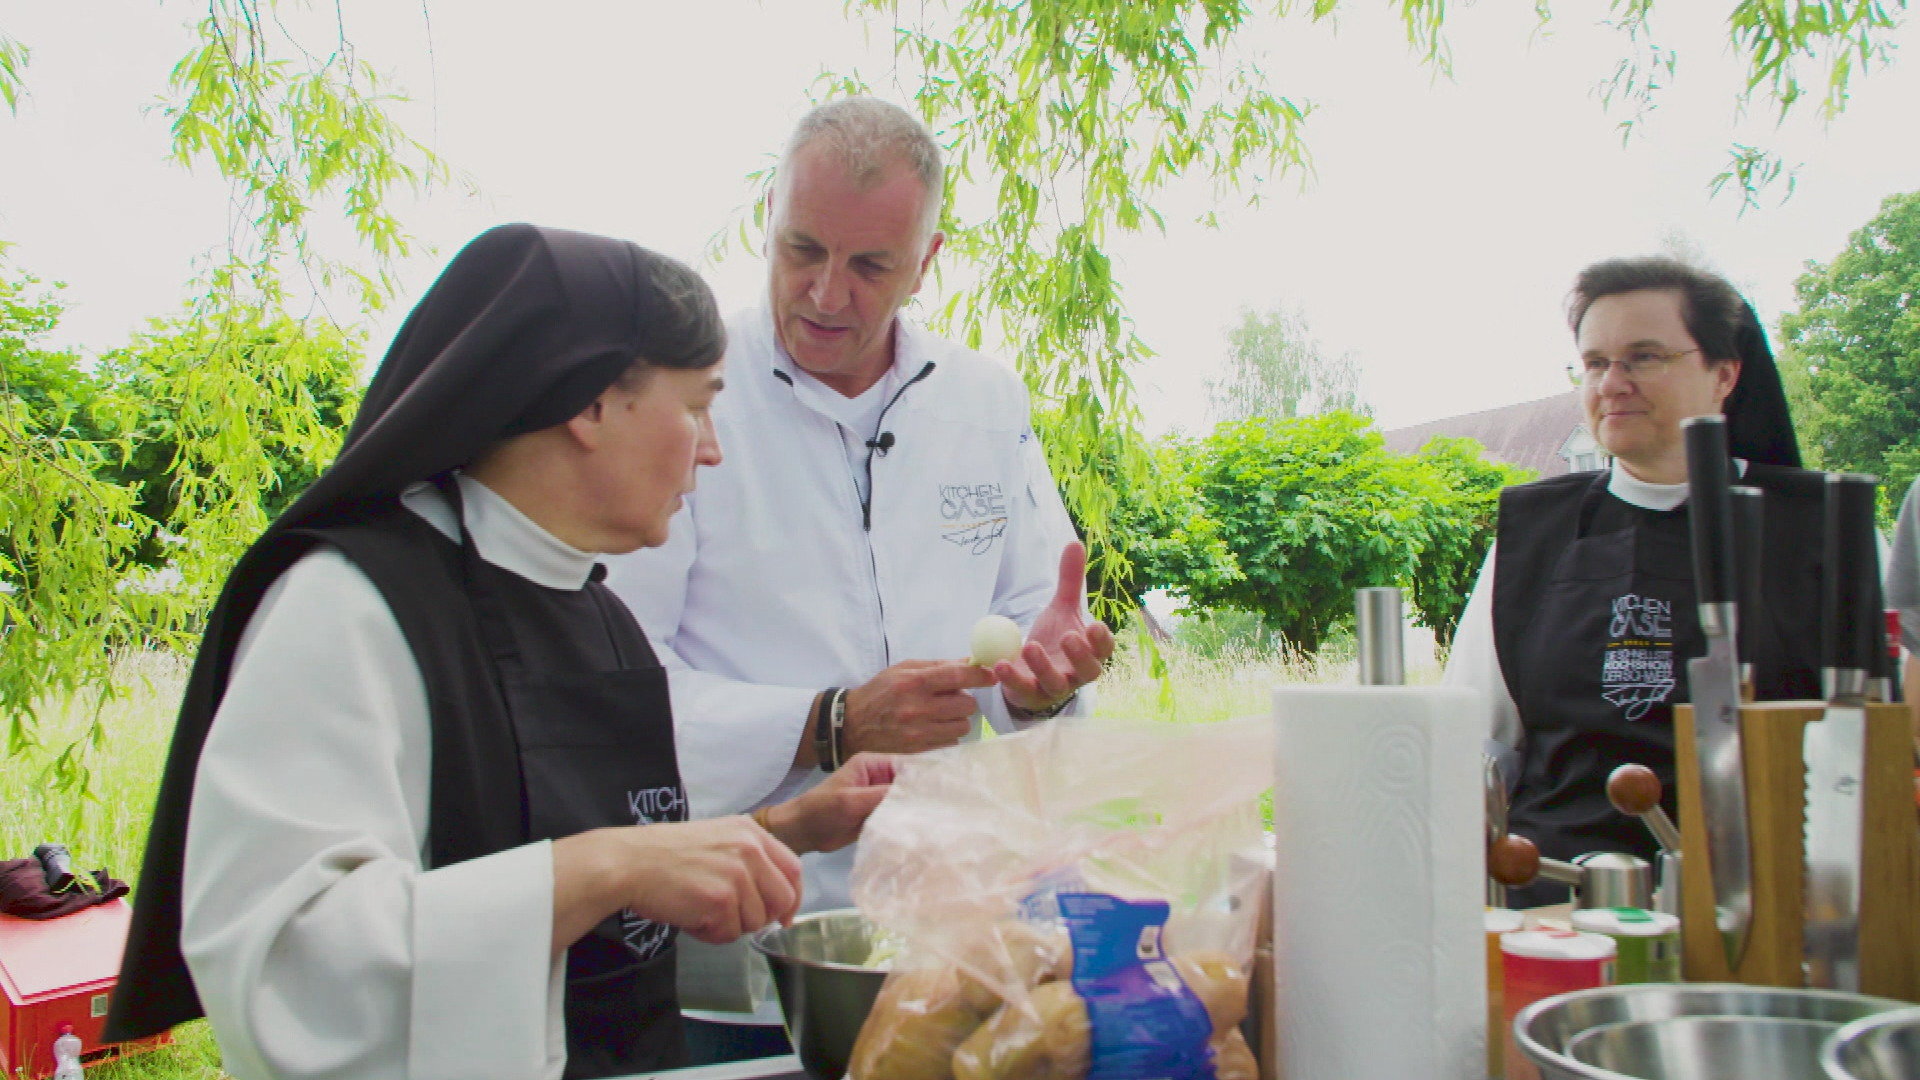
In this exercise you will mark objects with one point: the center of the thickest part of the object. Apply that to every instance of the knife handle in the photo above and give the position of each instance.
(1852, 627)
(1749, 550)
(1710, 508)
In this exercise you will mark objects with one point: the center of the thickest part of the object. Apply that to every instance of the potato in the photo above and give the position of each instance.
(1047, 1038)
(1221, 985)
(918, 1019)
(996, 638)
(1233, 1059)
(1014, 953)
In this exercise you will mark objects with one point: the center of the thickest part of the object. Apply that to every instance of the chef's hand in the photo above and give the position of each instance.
(715, 880)
(913, 706)
(830, 816)
(1064, 651)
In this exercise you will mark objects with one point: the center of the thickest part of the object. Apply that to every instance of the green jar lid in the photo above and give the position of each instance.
(1625, 922)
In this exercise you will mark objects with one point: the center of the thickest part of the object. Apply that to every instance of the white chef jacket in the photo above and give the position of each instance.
(320, 945)
(771, 590)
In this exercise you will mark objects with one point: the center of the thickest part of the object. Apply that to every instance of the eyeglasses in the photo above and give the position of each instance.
(1643, 365)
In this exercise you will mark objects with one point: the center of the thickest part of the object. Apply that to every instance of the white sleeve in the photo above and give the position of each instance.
(739, 755)
(1901, 567)
(1030, 573)
(319, 945)
(1474, 662)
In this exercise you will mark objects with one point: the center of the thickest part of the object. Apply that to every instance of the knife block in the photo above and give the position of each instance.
(1770, 736)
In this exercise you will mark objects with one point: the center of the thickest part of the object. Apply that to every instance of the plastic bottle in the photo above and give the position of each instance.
(66, 1054)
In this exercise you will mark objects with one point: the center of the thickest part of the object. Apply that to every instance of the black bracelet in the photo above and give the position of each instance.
(838, 714)
(823, 735)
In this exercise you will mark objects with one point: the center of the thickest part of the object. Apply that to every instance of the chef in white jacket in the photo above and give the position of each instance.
(883, 490)
(422, 816)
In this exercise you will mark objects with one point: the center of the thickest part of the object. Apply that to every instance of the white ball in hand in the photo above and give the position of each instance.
(995, 638)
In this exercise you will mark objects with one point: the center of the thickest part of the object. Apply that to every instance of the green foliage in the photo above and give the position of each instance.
(1073, 117)
(1461, 531)
(133, 485)
(1275, 370)
(1161, 531)
(1853, 362)
(126, 502)
(1226, 633)
(66, 534)
(1778, 40)
(1312, 509)
(172, 395)
(1266, 527)
(13, 60)
(292, 137)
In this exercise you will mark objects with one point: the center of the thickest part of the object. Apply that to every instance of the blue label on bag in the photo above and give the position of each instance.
(1147, 1024)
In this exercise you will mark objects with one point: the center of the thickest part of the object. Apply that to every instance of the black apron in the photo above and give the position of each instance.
(1602, 662)
(596, 750)
(1594, 621)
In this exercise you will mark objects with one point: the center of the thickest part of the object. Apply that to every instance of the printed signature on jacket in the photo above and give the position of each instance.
(973, 515)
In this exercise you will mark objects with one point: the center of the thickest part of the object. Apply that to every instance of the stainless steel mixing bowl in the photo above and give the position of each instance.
(825, 988)
(1545, 1029)
(1696, 1047)
(1884, 1047)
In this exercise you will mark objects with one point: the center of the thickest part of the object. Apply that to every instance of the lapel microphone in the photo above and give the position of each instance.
(882, 444)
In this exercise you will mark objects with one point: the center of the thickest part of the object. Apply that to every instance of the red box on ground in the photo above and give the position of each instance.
(60, 971)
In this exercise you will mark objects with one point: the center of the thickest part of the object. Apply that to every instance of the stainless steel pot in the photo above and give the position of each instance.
(1884, 1047)
(825, 988)
(1545, 1030)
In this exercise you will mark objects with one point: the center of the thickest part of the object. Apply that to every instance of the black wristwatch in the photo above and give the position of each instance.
(1047, 713)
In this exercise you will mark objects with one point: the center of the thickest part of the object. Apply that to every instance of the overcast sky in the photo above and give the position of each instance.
(1435, 240)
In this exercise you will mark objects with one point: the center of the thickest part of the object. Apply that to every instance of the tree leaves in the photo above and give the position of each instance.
(231, 406)
(1287, 517)
(1275, 370)
(1853, 362)
(13, 61)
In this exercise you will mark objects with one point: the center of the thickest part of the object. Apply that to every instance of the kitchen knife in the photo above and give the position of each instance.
(1749, 518)
(1851, 626)
(1713, 682)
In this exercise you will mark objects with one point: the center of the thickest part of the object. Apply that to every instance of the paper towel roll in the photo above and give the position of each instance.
(1379, 952)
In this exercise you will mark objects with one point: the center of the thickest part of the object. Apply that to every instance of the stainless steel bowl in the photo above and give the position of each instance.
(825, 988)
(1692, 1047)
(1884, 1047)
(1544, 1029)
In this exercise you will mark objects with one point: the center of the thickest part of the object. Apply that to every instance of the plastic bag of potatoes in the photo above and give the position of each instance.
(1074, 902)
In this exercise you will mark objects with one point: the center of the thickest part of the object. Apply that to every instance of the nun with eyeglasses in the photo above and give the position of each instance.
(1580, 627)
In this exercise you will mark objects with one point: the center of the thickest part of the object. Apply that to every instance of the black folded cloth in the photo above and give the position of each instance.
(24, 892)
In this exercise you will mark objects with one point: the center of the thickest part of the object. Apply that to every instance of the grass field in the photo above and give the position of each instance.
(108, 827)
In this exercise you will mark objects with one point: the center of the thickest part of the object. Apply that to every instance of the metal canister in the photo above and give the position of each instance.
(1499, 922)
(1539, 964)
(1611, 879)
(1648, 942)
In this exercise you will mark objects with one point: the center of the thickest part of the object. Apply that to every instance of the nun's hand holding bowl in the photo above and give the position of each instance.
(716, 880)
(1064, 651)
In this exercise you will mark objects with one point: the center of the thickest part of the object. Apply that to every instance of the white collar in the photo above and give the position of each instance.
(1633, 491)
(504, 536)
(903, 345)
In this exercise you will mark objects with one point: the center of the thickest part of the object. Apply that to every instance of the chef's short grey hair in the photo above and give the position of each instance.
(869, 134)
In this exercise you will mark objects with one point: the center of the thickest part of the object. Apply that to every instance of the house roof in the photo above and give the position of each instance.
(1530, 434)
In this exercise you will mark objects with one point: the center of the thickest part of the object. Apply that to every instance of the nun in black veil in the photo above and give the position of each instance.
(1583, 619)
(422, 814)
